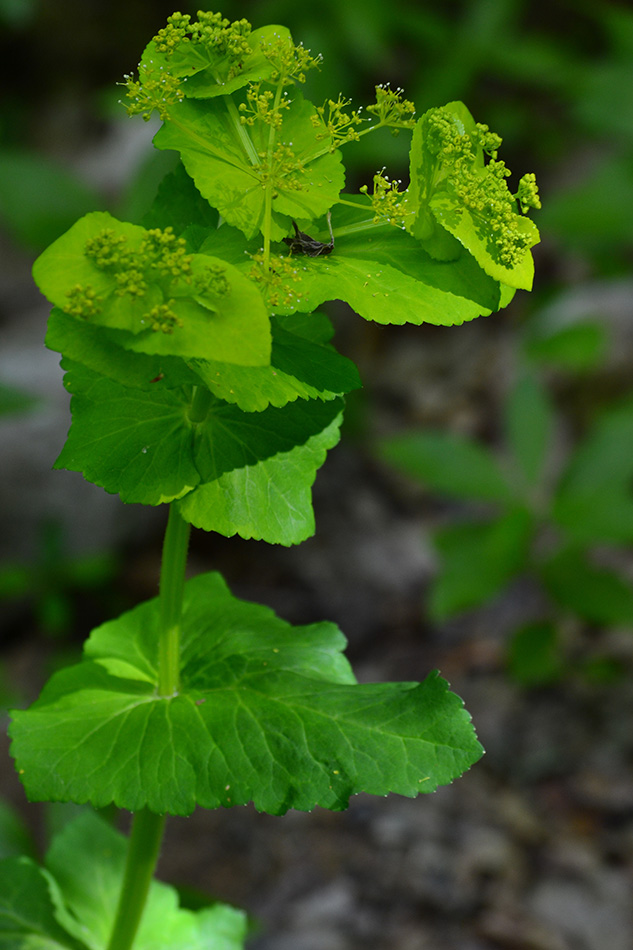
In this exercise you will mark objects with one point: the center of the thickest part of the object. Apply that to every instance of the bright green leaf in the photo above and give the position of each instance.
(299, 368)
(266, 712)
(448, 463)
(270, 501)
(167, 303)
(224, 159)
(477, 561)
(209, 68)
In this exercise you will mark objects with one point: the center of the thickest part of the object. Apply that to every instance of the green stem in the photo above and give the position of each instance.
(172, 581)
(143, 851)
(147, 828)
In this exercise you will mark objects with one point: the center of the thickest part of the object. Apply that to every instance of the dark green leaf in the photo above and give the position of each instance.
(142, 445)
(579, 347)
(265, 712)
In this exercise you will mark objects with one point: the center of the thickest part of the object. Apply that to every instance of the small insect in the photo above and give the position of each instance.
(303, 244)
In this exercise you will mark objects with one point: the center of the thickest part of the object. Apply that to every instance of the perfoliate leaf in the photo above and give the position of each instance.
(231, 165)
(477, 561)
(27, 914)
(167, 302)
(449, 463)
(270, 501)
(142, 444)
(265, 712)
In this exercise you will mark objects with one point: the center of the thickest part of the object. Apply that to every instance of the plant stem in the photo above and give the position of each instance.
(172, 580)
(143, 851)
(147, 827)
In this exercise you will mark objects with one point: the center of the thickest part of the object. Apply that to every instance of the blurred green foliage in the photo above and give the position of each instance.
(566, 523)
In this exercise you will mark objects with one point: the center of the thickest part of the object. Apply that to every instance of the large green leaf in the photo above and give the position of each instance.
(382, 272)
(449, 463)
(219, 318)
(27, 915)
(224, 159)
(270, 501)
(142, 445)
(265, 712)
(97, 349)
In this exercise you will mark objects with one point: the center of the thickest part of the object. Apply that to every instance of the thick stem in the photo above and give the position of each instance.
(172, 581)
(143, 851)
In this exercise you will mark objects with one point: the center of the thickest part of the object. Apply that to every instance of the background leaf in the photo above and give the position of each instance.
(477, 561)
(448, 463)
(594, 501)
(529, 427)
(593, 592)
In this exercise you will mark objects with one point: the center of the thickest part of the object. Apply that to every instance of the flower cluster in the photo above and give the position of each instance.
(391, 109)
(160, 260)
(334, 122)
(289, 63)
(527, 193)
(210, 30)
(283, 169)
(481, 190)
(388, 202)
(156, 88)
(262, 107)
(273, 279)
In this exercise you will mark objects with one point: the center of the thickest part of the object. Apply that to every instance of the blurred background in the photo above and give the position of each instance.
(533, 627)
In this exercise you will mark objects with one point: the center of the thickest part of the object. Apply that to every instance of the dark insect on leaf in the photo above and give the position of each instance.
(303, 244)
